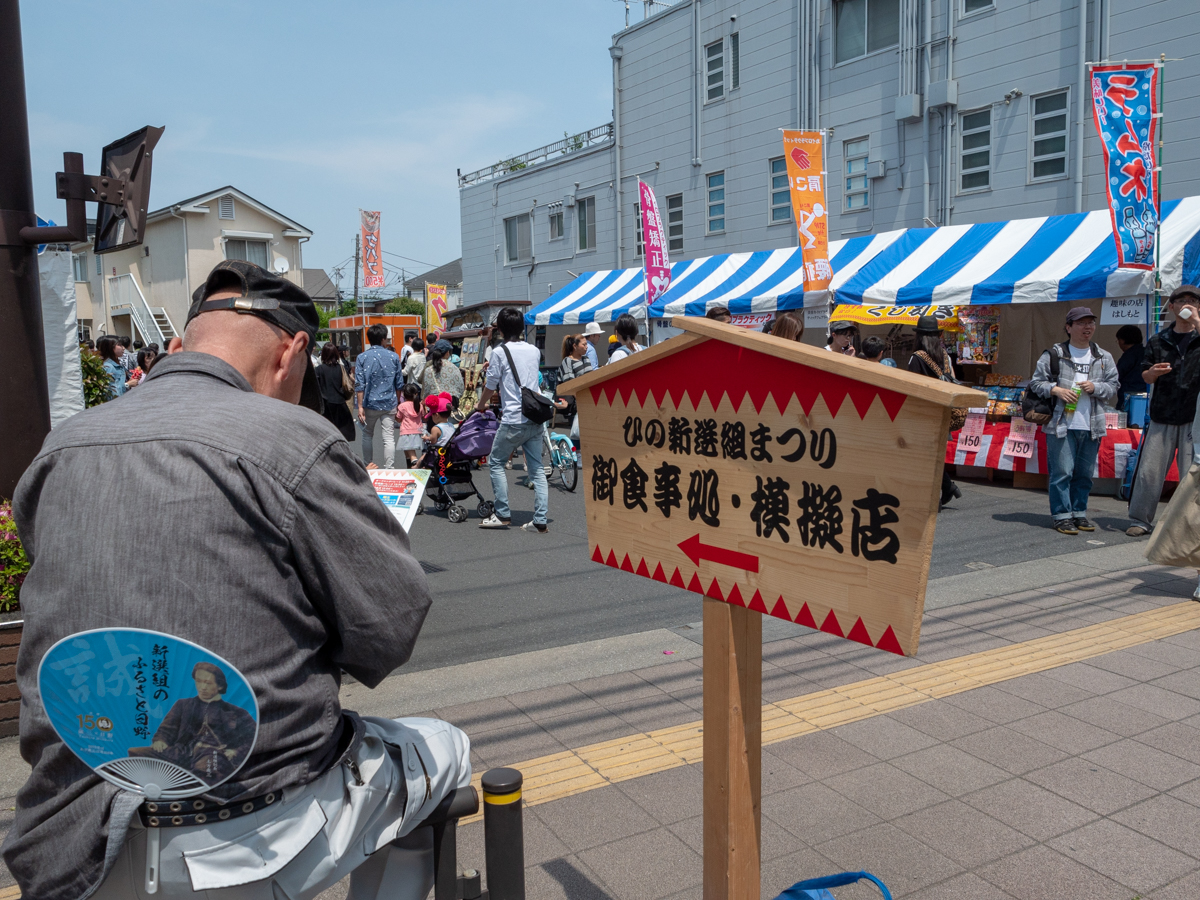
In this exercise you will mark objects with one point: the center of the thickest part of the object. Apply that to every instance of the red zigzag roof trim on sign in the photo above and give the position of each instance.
(831, 625)
(718, 369)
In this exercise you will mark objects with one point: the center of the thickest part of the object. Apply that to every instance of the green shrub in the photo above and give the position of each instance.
(13, 561)
(97, 386)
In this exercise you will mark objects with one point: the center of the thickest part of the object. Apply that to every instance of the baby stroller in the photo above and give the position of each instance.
(450, 466)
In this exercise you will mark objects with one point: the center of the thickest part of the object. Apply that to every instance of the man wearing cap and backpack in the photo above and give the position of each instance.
(266, 545)
(1172, 367)
(1086, 385)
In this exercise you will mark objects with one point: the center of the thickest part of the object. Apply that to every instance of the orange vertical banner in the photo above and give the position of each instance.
(805, 154)
(372, 262)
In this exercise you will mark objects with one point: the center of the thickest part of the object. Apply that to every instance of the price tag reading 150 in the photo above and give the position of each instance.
(970, 438)
(1021, 441)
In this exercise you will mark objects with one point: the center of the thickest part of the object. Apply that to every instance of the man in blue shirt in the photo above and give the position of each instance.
(591, 332)
(378, 381)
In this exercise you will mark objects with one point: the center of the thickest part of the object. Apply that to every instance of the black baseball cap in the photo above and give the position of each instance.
(268, 296)
(928, 325)
(841, 325)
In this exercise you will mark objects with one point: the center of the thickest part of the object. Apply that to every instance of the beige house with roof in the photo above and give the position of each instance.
(145, 291)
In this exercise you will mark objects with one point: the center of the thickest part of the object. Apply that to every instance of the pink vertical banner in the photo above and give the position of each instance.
(656, 263)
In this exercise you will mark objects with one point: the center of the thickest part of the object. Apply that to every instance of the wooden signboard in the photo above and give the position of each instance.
(769, 477)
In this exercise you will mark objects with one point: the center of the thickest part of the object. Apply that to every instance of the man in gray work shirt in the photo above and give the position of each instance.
(266, 545)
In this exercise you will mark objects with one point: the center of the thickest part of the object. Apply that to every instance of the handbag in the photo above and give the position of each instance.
(958, 414)
(535, 407)
(347, 382)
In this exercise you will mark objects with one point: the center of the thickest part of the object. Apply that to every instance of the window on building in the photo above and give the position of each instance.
(716, 202)
(715, 70)
(518, 244)
(858, 188)
(587, 223)
(99, 265)
(735, 61)
(864, 26)
(79, 264)
(1049, 135)
(556, 224)
(225, 207)
(675, 223)
(975, 167)
(637, 225)
(781, 195)
(250, 251)
(970, 6)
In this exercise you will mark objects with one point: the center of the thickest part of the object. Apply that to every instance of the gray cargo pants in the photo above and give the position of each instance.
(1159, 446)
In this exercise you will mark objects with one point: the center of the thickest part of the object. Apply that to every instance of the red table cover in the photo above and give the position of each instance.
(1114, 448)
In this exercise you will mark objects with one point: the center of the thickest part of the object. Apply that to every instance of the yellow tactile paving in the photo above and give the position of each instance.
(573, 772)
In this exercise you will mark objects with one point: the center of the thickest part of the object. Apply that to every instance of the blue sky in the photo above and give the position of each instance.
(318, 108)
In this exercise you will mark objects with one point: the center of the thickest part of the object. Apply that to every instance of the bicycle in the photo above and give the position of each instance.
(558, 455)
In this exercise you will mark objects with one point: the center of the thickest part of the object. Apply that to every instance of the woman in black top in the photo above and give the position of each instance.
(329, 380)
(931, 360)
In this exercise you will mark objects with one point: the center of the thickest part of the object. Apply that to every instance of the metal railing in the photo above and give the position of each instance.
(124, 294)
(571, 144)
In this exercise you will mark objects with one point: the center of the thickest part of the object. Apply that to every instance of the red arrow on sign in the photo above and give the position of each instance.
(697, 551)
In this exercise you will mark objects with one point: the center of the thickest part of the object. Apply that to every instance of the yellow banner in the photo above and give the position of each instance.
(947, 316)
(435, 308)
(804, 153)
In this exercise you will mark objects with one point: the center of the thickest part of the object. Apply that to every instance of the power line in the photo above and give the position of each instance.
(410, 259)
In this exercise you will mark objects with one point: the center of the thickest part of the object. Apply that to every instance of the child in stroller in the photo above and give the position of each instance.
(452, 453)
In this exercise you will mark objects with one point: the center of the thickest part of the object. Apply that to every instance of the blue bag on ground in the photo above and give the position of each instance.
(815, 888)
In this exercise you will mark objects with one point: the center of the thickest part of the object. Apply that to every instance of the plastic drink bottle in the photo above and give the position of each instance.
(1070, 405)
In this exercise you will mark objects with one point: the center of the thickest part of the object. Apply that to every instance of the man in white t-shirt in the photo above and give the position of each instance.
(1087, 381)
(515, 430)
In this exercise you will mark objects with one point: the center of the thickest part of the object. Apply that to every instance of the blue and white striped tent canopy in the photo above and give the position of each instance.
(1040, 260)
(764, 281)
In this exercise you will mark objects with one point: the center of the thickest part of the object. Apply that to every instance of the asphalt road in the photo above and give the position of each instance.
(504, 592)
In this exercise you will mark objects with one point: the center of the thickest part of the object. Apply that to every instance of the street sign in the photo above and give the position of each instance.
(770, 475)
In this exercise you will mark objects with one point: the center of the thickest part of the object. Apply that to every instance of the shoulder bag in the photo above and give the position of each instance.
(958, 414)
(347, 381)
(534, 406)
(1040, 410)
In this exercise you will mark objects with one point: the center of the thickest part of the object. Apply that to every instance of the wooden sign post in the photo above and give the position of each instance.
(770, 478)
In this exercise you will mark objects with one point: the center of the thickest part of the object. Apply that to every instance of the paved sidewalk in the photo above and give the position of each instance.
(1079, 781)
(1013, 774)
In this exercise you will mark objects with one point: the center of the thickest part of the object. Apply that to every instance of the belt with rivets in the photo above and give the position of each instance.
(179, 813)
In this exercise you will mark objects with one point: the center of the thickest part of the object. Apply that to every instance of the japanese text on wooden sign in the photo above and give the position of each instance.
(768, 484)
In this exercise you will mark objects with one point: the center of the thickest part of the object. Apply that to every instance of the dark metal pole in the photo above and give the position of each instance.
(24, 394)
(503, 834)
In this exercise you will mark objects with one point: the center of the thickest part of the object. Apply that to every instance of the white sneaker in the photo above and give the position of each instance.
(535, 529)
(494, 521)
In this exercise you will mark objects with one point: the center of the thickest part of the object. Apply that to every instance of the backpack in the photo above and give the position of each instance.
(1039, 410)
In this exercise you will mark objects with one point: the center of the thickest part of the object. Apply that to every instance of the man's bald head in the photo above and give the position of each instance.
(272, 360)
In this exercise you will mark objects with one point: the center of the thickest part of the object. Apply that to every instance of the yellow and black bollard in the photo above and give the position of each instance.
(503, 834)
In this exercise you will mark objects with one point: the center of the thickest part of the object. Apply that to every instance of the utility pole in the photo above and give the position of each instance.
(24, 394)
(357, 250)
